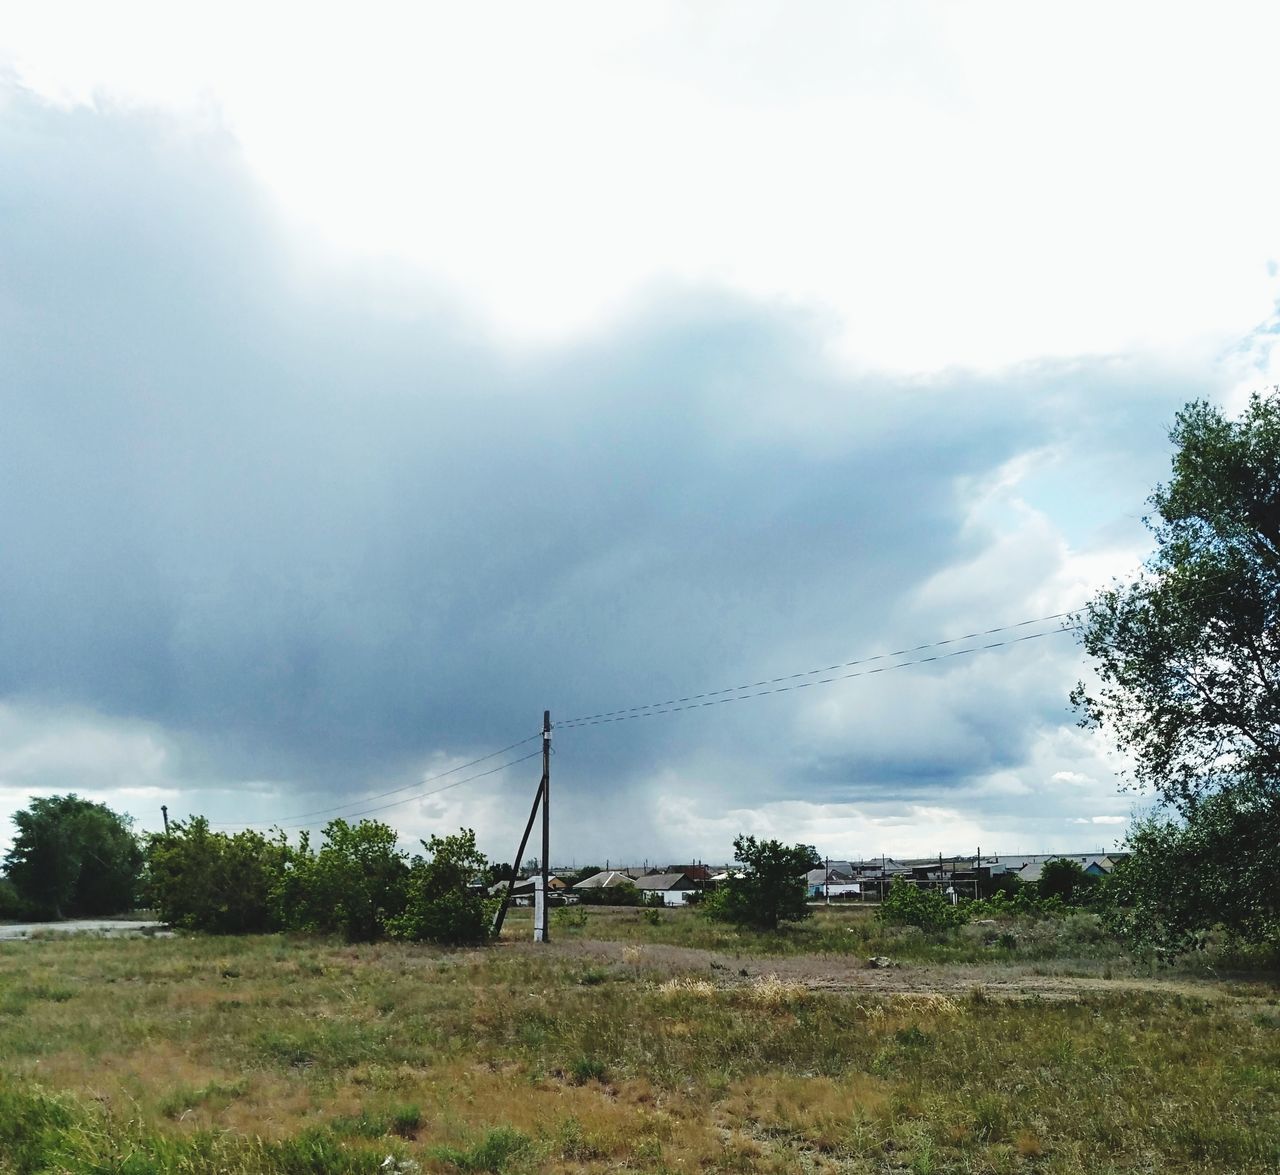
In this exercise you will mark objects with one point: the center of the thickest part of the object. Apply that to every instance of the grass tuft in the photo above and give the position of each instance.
(499, 1147)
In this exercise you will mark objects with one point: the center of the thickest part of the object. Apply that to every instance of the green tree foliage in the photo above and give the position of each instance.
(214, 881)
(913, 905)
(1221, 868)
(815, 859)
(1064, 879)
(352, 886)
(73, 857)
(767, 888)
(1188, 664)
(498, 871)
(1188, 654)
(442, 903)
(625, 894)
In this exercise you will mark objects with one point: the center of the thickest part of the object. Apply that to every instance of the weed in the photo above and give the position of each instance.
(586, 1069)
(362, 1125)
(990, 1117)
(701, 988)
(405, 1121)
(1028, 1145)
(187, 1098)
(573, 1142)
(569, 918)
(912, 1037)
(771, 992)
(492, 1153)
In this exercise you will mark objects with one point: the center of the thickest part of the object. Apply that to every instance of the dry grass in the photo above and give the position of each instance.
(271, 1055)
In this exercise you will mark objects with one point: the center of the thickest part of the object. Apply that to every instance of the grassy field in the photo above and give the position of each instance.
(629, 1046)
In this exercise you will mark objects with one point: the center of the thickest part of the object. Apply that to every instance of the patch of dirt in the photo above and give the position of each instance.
(851, 973)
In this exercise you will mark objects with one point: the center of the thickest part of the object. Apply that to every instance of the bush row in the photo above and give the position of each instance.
(356, 883)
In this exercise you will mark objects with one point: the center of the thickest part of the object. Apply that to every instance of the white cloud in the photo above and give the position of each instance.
(944, 180)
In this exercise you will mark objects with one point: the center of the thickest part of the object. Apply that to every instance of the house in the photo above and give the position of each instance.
(1094, 866)
(523, 891)
(606, 879)
(693, 872)
(672, 886)
(833, 882)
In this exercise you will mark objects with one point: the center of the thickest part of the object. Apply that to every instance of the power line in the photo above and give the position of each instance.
(629, 712)
(657, 708)
(434, 791)
(301, 816)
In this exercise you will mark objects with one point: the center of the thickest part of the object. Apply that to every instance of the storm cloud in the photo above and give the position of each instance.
(309, 528)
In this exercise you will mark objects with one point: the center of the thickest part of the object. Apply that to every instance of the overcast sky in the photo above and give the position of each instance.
(371, 383)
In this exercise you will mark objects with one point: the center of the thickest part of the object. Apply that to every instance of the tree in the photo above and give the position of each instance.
(74, 857)
(1065, 879)
(815, 859)
(499, 871)
(1188, 654)
(768, 888)
(442, 904)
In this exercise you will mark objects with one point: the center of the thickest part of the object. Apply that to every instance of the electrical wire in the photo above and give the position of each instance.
(433, 792)
(622, 715)
(302, 816)
(655, 709)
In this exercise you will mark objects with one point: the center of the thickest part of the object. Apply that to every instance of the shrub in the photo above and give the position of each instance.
(1219, 865)
(569, 917)
(911, 905)
(212, 881)
(353, 886)
(11, 904)
(611, 895)
(442, 905)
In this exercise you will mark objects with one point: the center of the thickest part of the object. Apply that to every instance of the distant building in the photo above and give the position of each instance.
(672, 886)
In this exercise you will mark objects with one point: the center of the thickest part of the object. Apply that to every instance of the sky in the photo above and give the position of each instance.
(374, 379)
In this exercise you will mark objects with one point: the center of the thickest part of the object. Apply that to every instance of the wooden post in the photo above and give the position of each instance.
(501, 915)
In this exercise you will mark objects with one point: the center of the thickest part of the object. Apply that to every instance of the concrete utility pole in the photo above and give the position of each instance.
(541, 919)
(540, 884)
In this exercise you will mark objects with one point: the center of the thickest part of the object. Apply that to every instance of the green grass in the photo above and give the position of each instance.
(845, 930)
(277, 1055)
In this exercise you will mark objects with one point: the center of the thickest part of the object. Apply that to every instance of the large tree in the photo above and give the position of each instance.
(71, 856)
(1188, 654)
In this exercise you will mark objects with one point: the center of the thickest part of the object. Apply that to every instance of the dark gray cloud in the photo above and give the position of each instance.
(315, 523)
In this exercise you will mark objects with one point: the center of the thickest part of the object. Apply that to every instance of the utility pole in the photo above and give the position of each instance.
(164, 811)
(541, 921)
